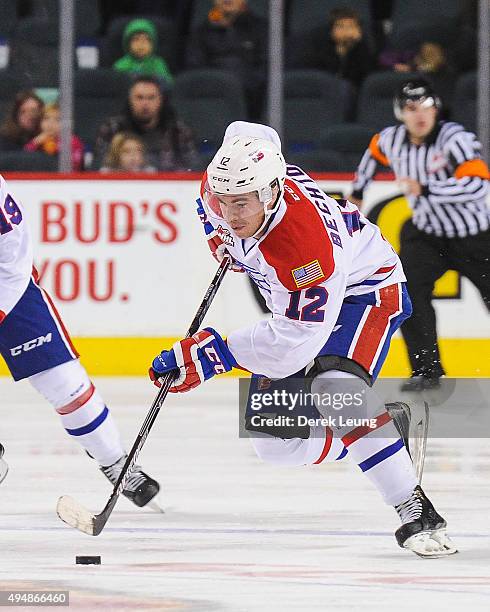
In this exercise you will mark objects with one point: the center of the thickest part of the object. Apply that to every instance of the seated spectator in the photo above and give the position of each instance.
(339, 48)
(126, 154)
(48, 140)
(430, 60)
(22, 122)
(139, 42)
(233, 38)
(168, 141)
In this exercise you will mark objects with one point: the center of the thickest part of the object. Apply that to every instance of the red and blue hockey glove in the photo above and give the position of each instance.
(196, 359)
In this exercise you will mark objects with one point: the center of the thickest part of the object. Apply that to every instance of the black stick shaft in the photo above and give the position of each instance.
(101, 519)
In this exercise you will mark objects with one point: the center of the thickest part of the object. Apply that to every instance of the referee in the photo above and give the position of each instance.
(438, 166)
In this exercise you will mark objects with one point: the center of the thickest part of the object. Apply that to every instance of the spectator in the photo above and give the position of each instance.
(22, 122)
(235, 39)
(339, 48)
(126, 154)
(430, 60)
(168, 141)
(139, 42)
(48, 140)
(439, 168)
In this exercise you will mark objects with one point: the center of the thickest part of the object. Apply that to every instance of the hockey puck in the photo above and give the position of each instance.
(87, 560)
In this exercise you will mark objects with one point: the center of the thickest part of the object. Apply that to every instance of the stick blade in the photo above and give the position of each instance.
(420, 435)
(77, 516)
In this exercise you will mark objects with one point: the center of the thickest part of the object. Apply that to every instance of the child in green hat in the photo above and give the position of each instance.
(139, 42)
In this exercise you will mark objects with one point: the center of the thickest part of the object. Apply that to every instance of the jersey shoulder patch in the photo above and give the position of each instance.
(299, 247)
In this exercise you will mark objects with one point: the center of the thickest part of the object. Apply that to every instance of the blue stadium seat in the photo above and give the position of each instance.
(375, 103)
(208, 100)
(310, 106)
(99, 94)
(24, 161)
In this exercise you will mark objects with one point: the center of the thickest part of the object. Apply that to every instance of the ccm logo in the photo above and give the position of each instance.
(213, 357)
(30, 344)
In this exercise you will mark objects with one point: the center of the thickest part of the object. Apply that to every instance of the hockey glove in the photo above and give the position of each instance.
(215, 244)
(195, 360)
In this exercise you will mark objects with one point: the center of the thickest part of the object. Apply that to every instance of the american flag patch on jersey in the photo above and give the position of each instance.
(307, 274)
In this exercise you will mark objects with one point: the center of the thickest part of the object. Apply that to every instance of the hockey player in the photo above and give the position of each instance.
(336, 291)
(36, 346)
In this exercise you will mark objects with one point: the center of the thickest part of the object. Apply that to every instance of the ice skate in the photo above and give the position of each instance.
(423, 530)
(419, 382)
(141, 489)
(4, 468)
(413, 430)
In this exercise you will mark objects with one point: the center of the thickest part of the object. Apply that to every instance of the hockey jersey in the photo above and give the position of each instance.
(315, 252)
(15, 251)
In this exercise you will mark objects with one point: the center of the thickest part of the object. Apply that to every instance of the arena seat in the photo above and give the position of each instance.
(99, 94)
(310, 106)
(207, 101)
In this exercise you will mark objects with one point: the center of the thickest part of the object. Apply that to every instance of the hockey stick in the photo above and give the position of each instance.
(414, 435)
(72, 512)
(421, 432)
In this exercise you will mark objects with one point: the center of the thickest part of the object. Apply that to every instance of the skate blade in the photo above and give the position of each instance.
(431, 544)
(155, 504)
(4, 469)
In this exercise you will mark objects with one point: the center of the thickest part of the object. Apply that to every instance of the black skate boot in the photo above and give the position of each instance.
(420, 382)
(413, 431)
(423, 530)
(4, 468)
(140, 488)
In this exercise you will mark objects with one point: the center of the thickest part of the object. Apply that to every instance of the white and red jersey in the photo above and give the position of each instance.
(315, 252)
(15, 251)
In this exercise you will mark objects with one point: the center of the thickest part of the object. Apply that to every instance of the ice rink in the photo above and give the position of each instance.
(236, 534)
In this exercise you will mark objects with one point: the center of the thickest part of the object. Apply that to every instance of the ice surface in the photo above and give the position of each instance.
(237, 534)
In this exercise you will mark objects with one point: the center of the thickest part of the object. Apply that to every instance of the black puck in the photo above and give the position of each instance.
(87, 560)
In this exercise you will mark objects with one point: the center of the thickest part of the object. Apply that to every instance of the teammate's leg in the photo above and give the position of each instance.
(423, 262)
(36, 345)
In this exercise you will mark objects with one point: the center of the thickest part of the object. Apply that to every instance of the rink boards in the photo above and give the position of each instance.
(125, 260)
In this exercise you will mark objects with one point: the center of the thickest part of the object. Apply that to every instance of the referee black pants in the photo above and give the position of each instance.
(426, 258)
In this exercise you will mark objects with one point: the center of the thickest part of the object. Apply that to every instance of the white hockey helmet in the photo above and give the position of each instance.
(242, 165)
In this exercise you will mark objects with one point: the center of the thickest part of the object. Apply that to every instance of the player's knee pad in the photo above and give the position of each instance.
(319, 447)
(63, 384)
(344, 399)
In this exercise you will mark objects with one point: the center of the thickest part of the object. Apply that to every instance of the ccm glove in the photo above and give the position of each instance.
(194, 359)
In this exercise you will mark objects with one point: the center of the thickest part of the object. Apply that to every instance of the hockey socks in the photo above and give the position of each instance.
(82, 410)
(375, 447)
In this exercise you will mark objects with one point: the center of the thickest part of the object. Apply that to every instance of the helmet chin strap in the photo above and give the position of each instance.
(265, 196)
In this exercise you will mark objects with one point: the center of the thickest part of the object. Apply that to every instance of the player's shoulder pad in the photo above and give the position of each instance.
(298, 247)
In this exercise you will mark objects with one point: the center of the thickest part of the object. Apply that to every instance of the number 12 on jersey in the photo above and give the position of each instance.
(9, 215)
(313, 310)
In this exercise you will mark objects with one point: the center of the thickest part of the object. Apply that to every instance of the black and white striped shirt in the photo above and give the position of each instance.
(448, 165)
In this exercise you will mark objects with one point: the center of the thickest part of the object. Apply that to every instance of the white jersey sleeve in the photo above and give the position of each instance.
(15, 251)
